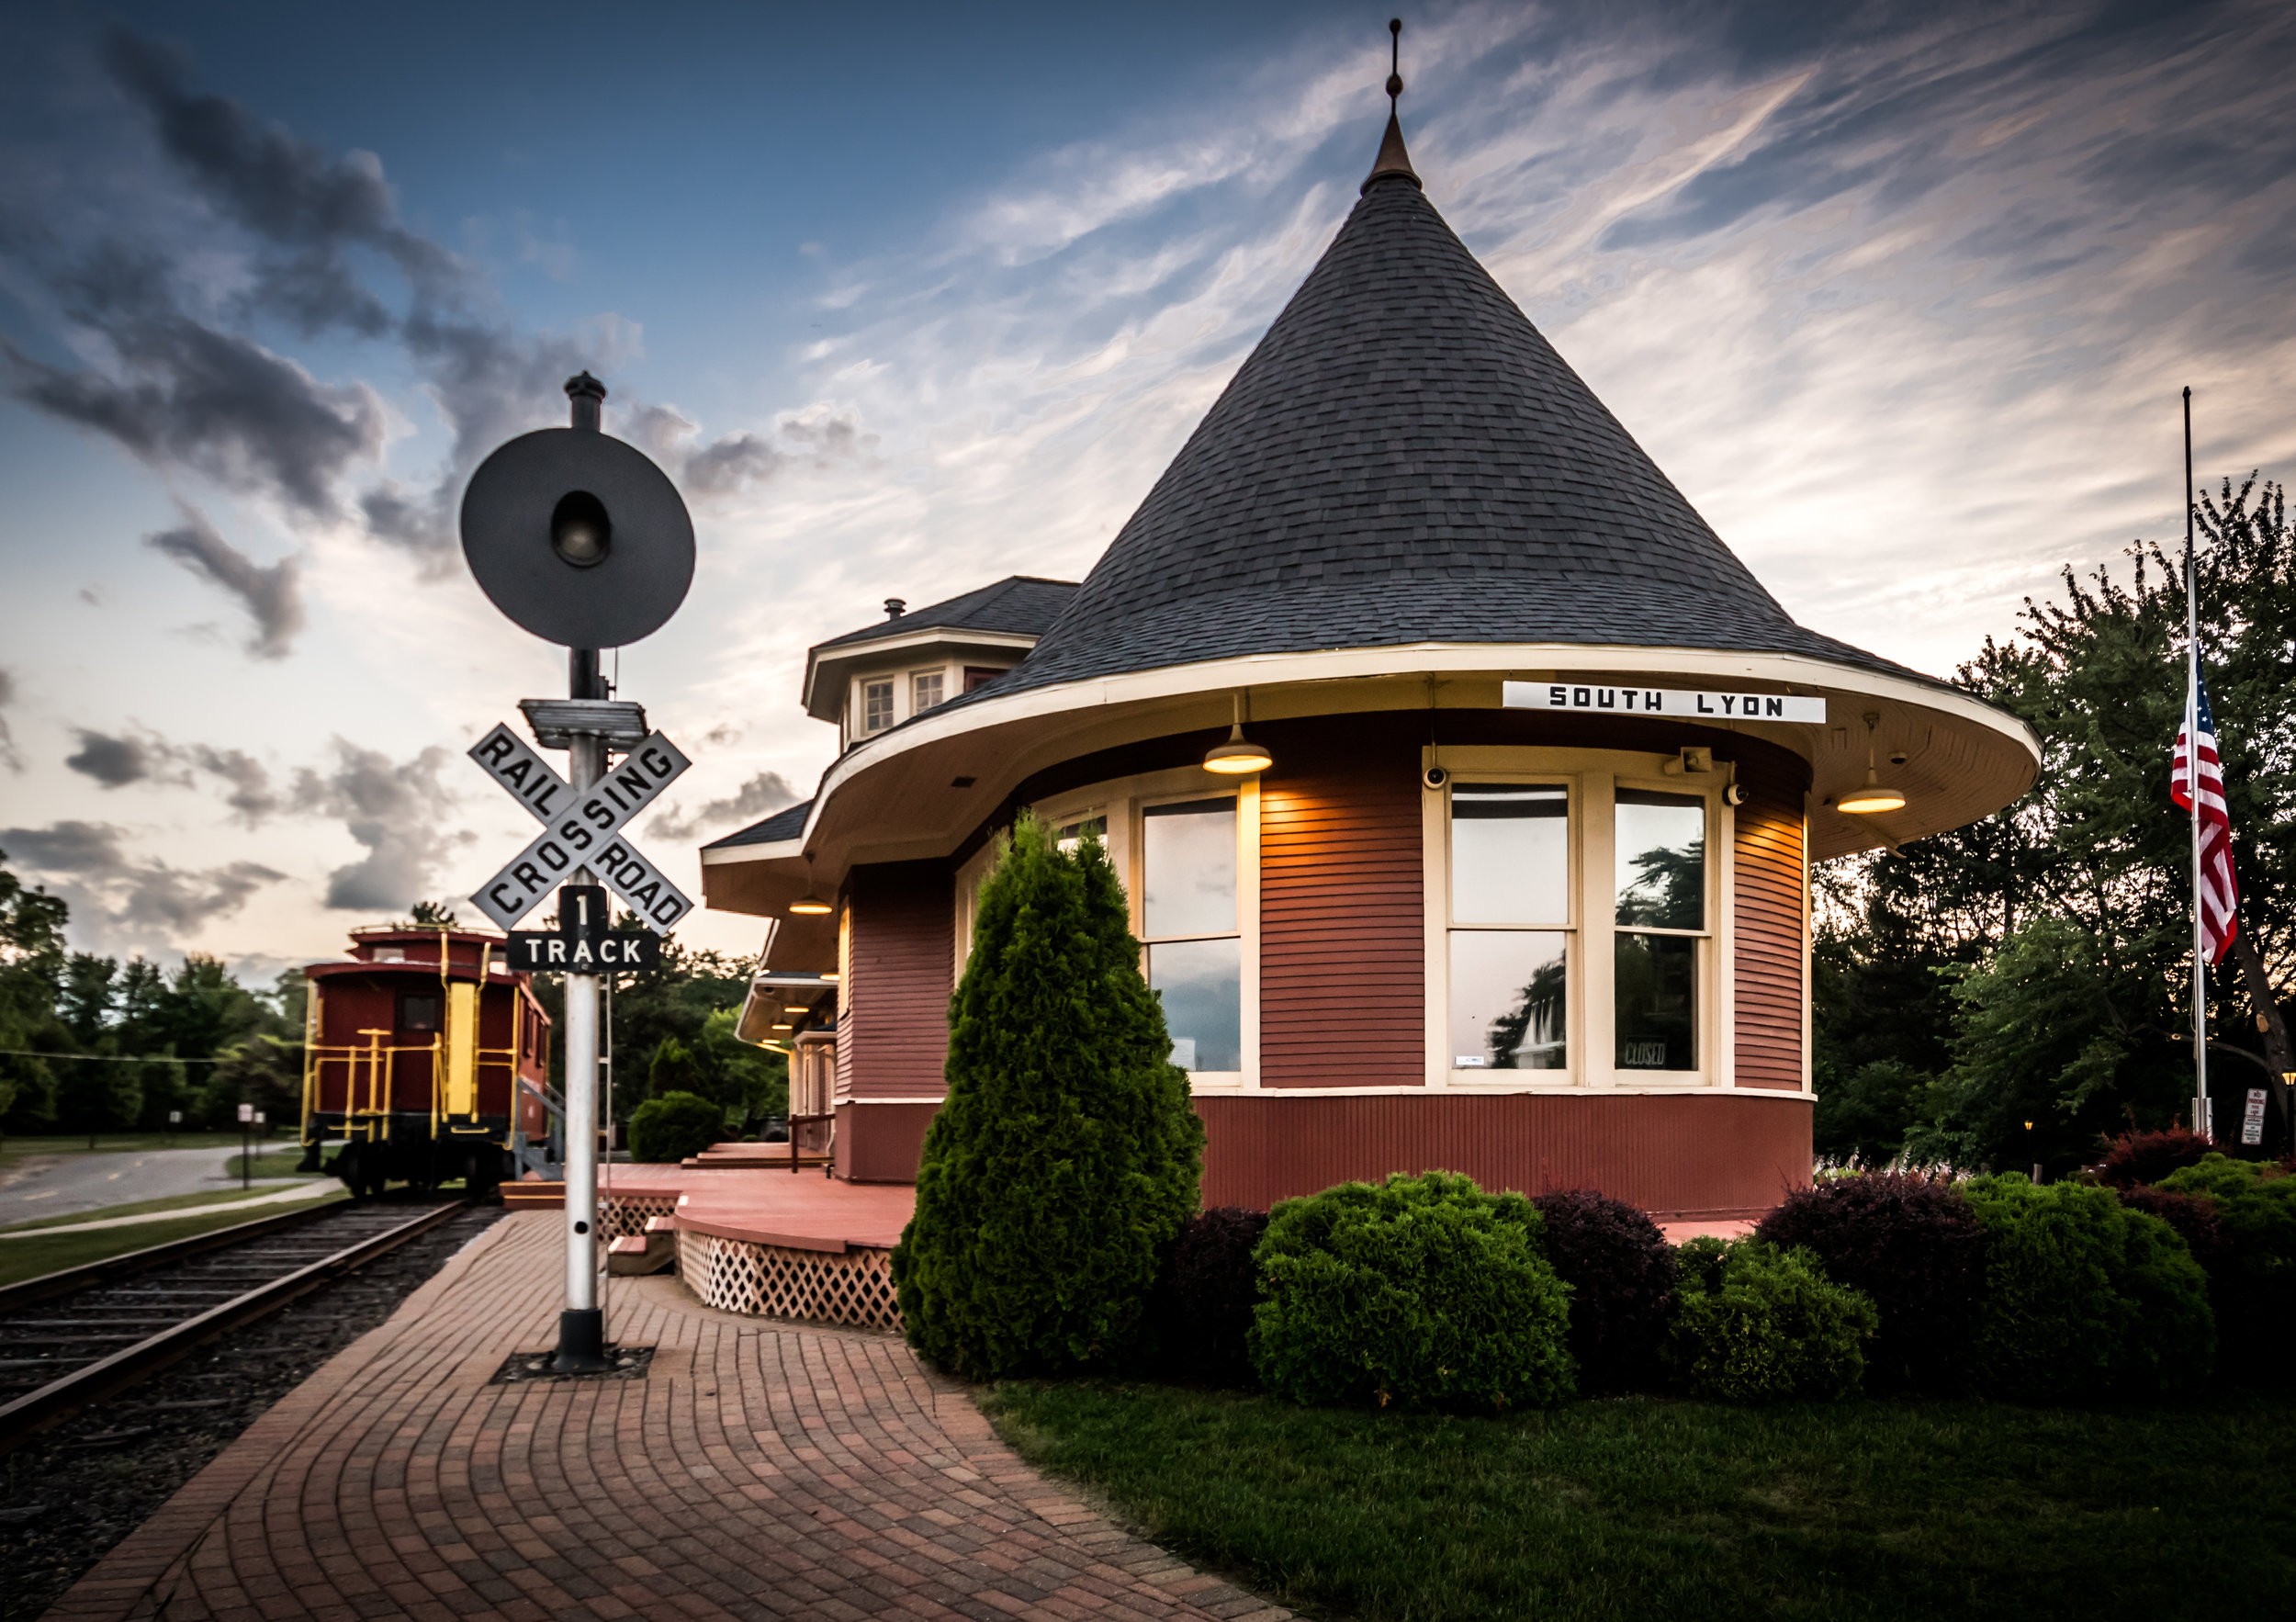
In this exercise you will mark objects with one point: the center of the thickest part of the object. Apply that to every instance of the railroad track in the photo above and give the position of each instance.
(72, 1339)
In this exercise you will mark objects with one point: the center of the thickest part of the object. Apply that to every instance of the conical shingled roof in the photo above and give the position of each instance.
(1405, 458)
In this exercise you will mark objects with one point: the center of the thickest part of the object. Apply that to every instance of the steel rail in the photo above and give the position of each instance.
(61, 1398)
(112, 1268)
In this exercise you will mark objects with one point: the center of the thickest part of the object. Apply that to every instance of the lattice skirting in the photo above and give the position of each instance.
(620, 1215)
(770, 1281)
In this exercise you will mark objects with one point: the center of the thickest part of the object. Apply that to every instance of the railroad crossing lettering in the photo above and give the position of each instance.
(583, 944)
(525, 776)
(584, 832)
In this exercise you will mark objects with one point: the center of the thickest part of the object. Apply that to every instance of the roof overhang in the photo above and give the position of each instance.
(894, 797)
(831, 665)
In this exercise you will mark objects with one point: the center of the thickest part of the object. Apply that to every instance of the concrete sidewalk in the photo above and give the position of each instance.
(760, 1470)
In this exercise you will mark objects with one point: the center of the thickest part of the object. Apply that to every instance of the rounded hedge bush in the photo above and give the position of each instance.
(1916, 1249)
(2253, 1272)
(2136, 1158)
(1200, 1314)
(1418, 1291)
(674, 1127)
(1621, 1274)
(1755, 1323)
(2085, 1298)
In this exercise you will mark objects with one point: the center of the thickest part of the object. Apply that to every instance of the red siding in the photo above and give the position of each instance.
(1340, 903)
(882, 1143)
(892, 1028)
(1708, 1155)
(1768, 903)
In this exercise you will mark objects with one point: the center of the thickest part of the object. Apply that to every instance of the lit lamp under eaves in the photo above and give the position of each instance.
(1238, 756)
(1871, 797)
(809, 904)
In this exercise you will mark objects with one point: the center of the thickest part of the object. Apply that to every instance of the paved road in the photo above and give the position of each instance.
(60, 1184)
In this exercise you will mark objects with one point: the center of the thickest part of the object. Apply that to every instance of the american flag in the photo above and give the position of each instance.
(2219, 894)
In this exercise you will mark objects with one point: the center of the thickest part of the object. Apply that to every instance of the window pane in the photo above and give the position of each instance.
(1202, 983)
(1069, 835)
(1510, 853)
(1507, 1007)
(1190, 863)
(1662, 860)
(876, 706)
(925, 691)
(1657, 1002)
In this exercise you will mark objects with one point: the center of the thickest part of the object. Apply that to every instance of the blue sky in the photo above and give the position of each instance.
(913, 297)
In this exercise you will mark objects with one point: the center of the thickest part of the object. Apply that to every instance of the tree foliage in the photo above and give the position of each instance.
(1066, 1156)
(2034, 965)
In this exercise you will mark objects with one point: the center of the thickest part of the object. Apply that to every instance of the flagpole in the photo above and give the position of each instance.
(2201, 1122)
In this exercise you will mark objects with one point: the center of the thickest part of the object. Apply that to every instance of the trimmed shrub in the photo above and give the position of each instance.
(2085, 1298)
(2194, 1218)
(2135, 1158)
(667, 1130)
(1418, 1291)
(1621, 1273)
(1066, 1158)
(1755, 1323)
(2253, 1275)
(1912, 1244)
(1201, 1313)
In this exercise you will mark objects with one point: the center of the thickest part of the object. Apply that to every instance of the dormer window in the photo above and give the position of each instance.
(927, 688)
(876, 705)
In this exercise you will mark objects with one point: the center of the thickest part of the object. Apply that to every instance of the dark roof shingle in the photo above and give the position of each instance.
(1020, 603)
(1405, 458)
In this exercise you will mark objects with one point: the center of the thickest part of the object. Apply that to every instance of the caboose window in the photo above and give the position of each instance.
(419, 1011)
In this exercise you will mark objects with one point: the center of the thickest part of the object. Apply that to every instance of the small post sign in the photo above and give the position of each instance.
(583, 944)
(2252, 1118)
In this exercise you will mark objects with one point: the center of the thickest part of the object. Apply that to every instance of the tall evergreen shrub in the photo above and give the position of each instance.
(1067, 1155)
(2084, 1299)
(1912, 1244)
(1418, 1291)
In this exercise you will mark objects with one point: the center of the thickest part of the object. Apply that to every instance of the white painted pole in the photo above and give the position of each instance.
(2201, 1122)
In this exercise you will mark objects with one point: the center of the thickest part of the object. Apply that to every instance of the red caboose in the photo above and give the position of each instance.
(427, 1056)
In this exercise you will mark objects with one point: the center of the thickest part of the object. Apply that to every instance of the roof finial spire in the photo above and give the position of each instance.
(1393, 160)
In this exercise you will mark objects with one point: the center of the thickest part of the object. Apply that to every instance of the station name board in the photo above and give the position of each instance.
(1664, 701)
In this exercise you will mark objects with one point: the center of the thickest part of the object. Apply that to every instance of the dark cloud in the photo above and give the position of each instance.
(252, 796)
(762, 796)
(181, 392)
(98, 876)
(818, 438)
(113, 762)
(389, 807)
(272, 595)
(286, 190)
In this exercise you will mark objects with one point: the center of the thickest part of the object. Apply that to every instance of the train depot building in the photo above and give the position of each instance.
(1465, 784)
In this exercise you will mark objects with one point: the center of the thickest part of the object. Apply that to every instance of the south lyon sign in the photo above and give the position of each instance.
(580, 830)
(1664, 700)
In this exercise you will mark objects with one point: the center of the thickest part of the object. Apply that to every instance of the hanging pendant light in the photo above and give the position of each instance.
(1238, 756)
(809, 904)
(1871, 797)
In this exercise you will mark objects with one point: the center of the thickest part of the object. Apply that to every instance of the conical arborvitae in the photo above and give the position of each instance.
(1067, 1155)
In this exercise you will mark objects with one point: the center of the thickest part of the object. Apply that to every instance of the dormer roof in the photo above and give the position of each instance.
(1004, 618)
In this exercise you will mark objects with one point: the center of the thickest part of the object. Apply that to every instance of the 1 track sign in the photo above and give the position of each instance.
(582, 944)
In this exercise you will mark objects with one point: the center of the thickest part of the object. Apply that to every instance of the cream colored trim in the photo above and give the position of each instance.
(1556, 1090)
(1723, 1065)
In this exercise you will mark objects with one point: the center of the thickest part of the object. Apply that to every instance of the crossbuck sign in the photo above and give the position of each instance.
(580, 830)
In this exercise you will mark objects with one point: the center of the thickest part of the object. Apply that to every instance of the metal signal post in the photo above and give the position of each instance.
(581, 539)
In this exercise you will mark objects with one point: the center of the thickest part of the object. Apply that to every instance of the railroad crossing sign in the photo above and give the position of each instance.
(583, 944)
(582, 831)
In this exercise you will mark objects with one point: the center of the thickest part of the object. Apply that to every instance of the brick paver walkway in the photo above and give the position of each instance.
(762, 1470)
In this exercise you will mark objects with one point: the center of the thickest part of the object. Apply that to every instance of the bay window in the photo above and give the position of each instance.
(1510, 913)
(1190, 923)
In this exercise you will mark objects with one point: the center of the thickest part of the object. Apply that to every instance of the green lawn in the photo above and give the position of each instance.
(1647, 1507)
(12, 1149)
(273, 1162)
(29, 1258)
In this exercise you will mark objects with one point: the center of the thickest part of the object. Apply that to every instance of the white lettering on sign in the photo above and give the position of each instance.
(584, 833)
(1664, 700)
(525, 776)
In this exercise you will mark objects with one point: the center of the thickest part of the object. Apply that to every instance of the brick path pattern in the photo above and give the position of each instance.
(762, 1470)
